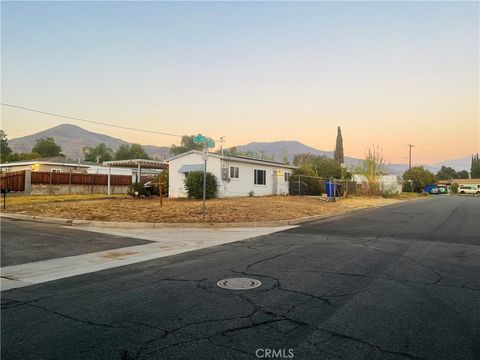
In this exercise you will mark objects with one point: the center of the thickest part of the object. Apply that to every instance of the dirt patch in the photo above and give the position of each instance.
(248, 209)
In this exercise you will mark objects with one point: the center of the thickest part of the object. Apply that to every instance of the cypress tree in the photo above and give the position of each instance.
(475, 168)
(338, 153)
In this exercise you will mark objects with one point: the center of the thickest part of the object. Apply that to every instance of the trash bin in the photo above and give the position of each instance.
(330, 189)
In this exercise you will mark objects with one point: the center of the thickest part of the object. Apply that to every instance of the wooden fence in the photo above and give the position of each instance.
(53, 178)
(13, 181)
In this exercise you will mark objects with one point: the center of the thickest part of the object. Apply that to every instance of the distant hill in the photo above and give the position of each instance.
(293, 147)
(276, 148)
(458, 164)
(73, 138)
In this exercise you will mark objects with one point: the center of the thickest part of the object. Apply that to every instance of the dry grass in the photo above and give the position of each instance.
(19, 200)
(246, 209)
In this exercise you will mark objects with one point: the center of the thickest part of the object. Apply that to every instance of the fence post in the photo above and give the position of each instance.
(109, 191)
(50, 188)
(70, 182)
(299, 184)
(28, 182)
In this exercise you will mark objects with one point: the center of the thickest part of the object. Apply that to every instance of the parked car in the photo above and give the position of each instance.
(151, 188)
(139, 189)
(468, 189)
(433, 189)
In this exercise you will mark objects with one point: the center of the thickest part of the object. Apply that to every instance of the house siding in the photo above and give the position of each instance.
(231, 187)
(42, 168)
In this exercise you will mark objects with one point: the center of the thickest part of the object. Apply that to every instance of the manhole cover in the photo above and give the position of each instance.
(239, 283)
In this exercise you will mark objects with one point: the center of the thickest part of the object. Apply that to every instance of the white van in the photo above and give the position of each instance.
(468, 189)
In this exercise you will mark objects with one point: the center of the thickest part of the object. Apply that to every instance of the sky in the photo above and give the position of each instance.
(388, 73)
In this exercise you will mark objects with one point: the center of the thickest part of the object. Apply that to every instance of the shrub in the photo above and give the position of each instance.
(194, 185)
(308, 185)
(419, 179)
(372, 167)
(454, 188)
(163, 177)
(327, 168)
(136, 189)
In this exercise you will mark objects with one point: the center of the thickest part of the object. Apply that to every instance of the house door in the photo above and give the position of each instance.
(274, 182)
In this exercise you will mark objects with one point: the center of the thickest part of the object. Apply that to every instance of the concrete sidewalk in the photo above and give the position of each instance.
(167, 241)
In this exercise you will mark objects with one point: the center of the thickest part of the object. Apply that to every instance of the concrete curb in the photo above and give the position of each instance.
(150, 225)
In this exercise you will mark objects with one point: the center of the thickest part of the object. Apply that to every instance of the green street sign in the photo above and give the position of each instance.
(210, 143)
(199, 139)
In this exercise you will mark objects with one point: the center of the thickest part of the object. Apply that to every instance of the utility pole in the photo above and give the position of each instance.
(410, 156)
(222, 140)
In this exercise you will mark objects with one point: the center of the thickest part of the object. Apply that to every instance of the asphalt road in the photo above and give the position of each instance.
(399, 282)
(25, 242)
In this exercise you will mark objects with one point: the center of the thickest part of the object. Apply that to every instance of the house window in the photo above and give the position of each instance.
(287, 176)
(260, 177)
(234, 172)
(56, 170)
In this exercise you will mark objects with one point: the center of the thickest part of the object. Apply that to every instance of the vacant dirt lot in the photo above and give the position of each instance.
(247, 209)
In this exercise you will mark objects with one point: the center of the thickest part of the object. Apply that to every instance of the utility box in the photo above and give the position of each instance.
(224, 173)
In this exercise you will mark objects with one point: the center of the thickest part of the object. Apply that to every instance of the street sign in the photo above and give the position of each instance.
(210, 143)
(205, 155)
(199, 139)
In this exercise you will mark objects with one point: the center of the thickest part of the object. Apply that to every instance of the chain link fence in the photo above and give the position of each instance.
(316, 186)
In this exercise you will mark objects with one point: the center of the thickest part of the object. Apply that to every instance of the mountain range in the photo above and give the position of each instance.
(73, 138)
(276, 148)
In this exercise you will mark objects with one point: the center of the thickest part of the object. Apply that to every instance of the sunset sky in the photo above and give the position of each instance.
(388, 73)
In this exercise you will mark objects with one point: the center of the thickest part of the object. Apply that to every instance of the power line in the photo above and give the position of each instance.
(90, 121)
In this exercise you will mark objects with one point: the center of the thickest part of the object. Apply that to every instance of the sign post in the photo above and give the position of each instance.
(205, 159)
(207, 143)
(160, 189)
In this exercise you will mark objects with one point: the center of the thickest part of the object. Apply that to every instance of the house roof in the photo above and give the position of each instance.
(238, 158)
(144, 163)
(32, 162)
(459, 181)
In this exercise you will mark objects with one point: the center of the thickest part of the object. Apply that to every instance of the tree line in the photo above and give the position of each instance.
(46, 147)
(309, 165)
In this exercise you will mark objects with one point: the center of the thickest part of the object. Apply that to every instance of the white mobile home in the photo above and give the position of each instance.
(389, 184)
(236, 175)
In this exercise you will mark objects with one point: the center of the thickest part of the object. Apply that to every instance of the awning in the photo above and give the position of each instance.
(191, 168)
(144, 163)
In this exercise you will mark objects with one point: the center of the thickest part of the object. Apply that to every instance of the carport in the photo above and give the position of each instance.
(134, 163)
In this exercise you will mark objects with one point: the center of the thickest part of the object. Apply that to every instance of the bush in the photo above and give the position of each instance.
(308, 185)
(454, 188)
(136, 189)
(194, 185)
(327, 168)
(163, 177)
(419, 179)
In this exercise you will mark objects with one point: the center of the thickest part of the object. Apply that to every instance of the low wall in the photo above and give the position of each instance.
(75, 189)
